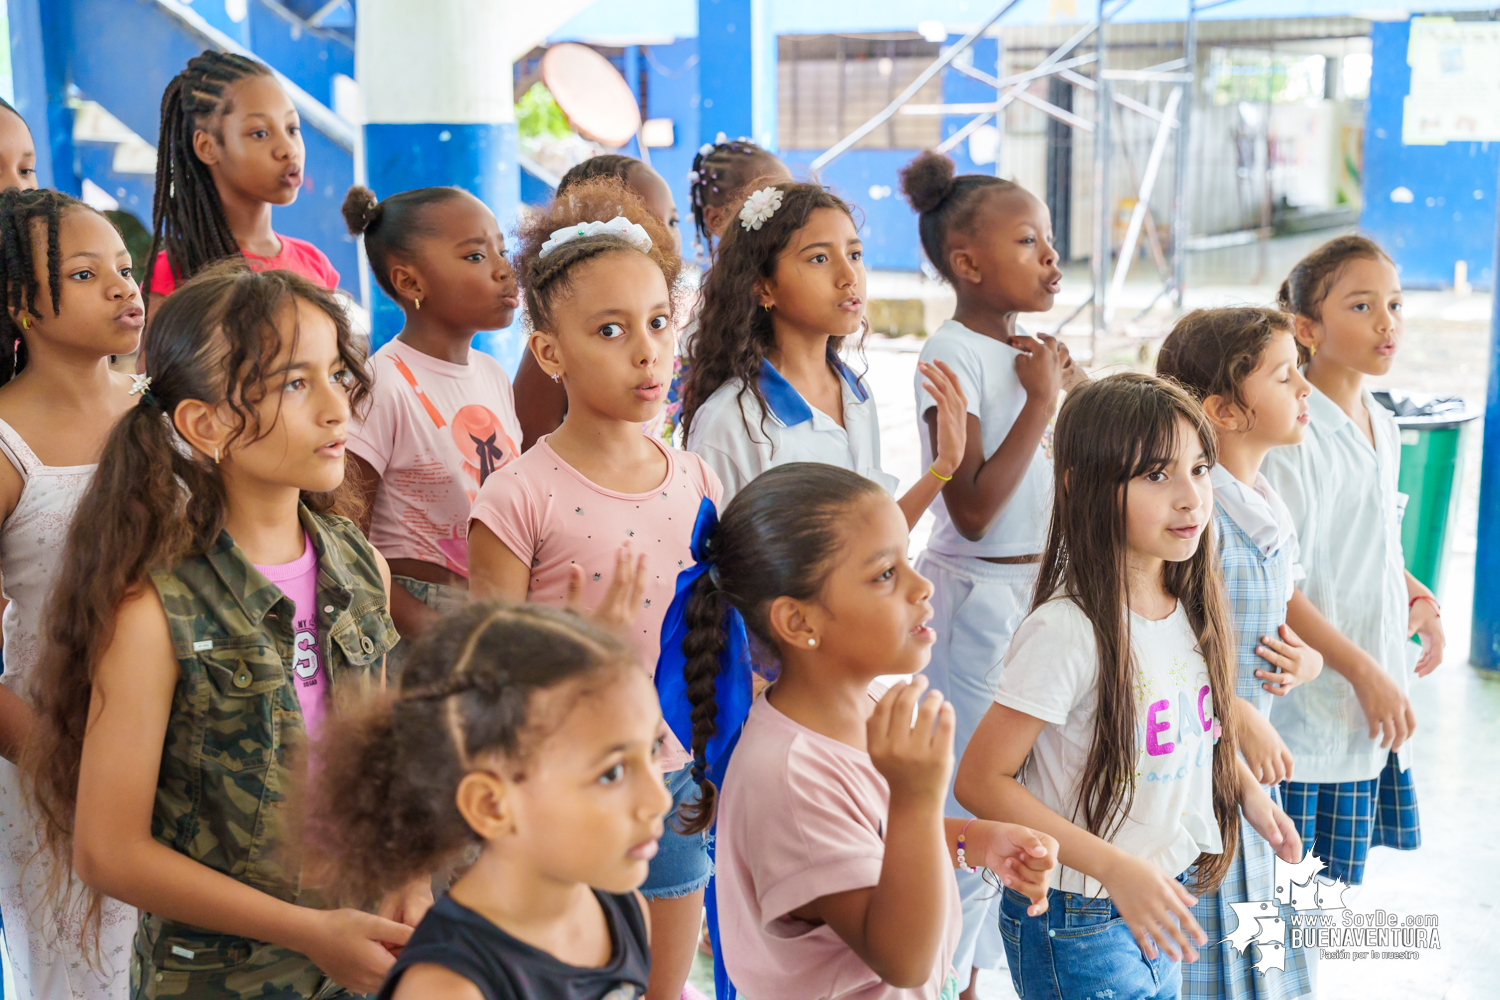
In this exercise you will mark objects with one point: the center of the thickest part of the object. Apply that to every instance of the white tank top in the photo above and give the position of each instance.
(31, 548)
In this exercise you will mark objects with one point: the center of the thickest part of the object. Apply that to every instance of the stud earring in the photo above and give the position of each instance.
(556, 377)
(216, 456)
(417, 304)
(26, 322)
(812, 642)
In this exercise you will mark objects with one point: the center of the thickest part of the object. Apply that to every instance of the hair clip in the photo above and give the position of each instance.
(631, 232)
(759, 207)
(139, 384)
(706, 148)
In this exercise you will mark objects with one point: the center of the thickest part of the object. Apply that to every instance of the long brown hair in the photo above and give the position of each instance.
(383, 809)
(1108, 433)
(734, 332)
(153, 502)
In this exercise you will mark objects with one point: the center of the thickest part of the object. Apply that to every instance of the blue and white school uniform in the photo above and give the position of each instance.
(977, 605)
(1351, 793)
(739, 440)
(1258, 553)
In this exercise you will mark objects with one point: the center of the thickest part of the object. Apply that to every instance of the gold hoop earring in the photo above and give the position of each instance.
(216, 456)
(26, 322)
(417, 304)
(766, 306)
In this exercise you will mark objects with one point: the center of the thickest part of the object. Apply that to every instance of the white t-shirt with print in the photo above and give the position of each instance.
(1051, 673)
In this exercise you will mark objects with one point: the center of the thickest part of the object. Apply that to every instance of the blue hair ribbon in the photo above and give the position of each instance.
(733, 695)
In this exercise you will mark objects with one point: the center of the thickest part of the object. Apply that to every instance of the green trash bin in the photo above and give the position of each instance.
(1432, 434)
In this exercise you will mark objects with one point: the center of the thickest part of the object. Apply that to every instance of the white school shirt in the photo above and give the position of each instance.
(1262, 514)
(727, 431)
(1052, 673)
(1346, 508)
(986, 369)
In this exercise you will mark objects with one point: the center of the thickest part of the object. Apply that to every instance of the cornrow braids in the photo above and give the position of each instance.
(19, 213)
(720, 171)
(187, 215)
(384, 807)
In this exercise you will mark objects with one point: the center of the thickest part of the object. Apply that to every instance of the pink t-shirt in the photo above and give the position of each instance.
(296, 255)
(802, 816)
(434, 433)
(298, 580)
(550, 516)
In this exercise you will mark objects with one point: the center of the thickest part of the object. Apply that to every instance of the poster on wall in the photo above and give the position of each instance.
(1455, 82)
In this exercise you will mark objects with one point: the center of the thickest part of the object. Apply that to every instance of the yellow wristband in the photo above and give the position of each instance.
(933, 469)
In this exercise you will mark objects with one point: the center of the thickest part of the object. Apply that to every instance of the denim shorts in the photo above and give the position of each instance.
(1080, 949)
(681, 864)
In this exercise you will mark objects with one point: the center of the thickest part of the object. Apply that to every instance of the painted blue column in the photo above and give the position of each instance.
(439, 109)
(40, 39)
(738, 82)
(1484, 638)
(672, 93)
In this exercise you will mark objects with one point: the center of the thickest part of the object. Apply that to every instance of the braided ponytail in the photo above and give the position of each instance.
(187, 215)
(702, 646)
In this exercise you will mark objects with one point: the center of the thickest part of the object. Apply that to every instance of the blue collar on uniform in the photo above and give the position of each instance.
(786, 403)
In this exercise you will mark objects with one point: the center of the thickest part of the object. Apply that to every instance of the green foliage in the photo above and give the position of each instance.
(537, 114)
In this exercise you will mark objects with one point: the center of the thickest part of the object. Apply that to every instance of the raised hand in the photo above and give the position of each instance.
(622, 599)
(952, 416)
(915, 758)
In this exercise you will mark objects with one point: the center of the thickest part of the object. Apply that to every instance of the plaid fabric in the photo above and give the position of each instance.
(1256, 585)
(1223, 972)
(1343, 820)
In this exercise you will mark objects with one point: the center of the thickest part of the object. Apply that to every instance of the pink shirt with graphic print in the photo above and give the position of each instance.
(298, 580)
(550, 516)
(434, 432)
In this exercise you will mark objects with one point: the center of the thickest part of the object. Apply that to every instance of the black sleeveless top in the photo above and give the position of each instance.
(458, 939)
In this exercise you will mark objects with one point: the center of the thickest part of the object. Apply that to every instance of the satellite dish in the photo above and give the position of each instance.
(592, 93)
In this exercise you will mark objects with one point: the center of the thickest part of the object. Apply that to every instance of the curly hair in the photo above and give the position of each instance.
(383, 809)
(547, 279)
(1210, 352)
(1308, 284)
(734, 333)
(946, 203)
(153, 502)
(779, 537)
(188, 220)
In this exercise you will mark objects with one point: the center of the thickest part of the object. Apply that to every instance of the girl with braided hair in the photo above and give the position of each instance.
(723, 173)
(71, 302)
(834, 865)
(531, 735)
(598, 271)
(17, 150)
(230, 148)
(211, 601)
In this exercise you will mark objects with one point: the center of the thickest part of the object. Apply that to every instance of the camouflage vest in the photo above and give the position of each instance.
(235, 740)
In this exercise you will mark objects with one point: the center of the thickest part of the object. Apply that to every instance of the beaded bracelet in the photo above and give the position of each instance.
(963, 865)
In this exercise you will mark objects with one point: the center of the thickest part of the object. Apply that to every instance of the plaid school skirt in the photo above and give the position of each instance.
(1223, 972)
(1343, 820)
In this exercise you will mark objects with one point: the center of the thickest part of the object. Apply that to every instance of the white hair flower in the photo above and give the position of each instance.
(759, 207)
(632, 232)
(705, 149)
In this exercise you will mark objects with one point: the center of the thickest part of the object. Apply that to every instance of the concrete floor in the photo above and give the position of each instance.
(1456, 873)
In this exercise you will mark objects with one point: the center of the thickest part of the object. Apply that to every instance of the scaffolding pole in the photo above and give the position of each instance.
(1181, 230)
(1103, 220)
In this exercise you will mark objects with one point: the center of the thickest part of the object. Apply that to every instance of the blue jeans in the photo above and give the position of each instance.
(681, 864)
(1080, 949)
